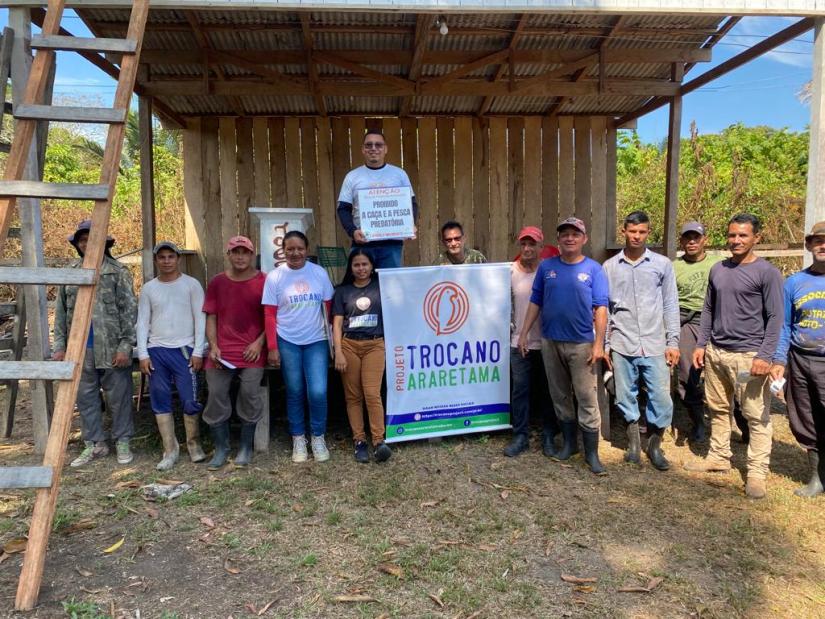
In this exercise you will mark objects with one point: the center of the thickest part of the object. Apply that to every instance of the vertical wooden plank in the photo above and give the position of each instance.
(444, 140)
(374, 124)
(674, 140)
(228, 178)
(309, 174)
(550, 177)
(567, 205)
(532, 172)
(246, 173)
(598, 194)
(610, 189)
(277, 164)
(481, 186)
(357, 127)
(147, 185)
(499, 216)
(213, 250)
(463, 197)
(582, 150)
(815, 198)
(409, 146)
(340, 167)
(292, 148)
(195, 208)
(261, 196)
(326, 190)
(515, 181)
(428, 224)
(392, 135)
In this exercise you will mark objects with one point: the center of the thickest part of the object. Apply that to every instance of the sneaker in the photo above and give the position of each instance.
(382, 452)
(319, 449)
(299, 449)
(124, 454)
(361, 453)
(90, 452)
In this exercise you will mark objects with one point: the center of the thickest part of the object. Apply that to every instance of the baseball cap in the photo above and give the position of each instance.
(817, 230)
(239, 241)
(166, 245)
(693, 226)
(531, 232)
(85, 226)
(573, 222)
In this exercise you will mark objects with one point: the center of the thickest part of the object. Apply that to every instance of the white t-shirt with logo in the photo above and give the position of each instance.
(299, 295)
(522, 285)
(368, 178)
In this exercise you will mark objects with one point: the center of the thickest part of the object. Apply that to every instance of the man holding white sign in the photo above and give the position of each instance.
(376, 205)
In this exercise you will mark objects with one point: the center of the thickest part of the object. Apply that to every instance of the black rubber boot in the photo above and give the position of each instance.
(591, 452)
(517, 445)
(741, 423)
(814, 485)
(698, 433)
(247, 446)
(548, 444)
(634, 444)
(220, 437)
(570, 447)
(654, 448)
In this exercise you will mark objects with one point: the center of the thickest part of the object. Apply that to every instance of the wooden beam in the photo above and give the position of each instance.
(215, 56)
(714, 39)
(362, 70)
(423, 24)
(672, 167)
(312, 70)
(482, 61)
(578, 65)
(520, 28)
(815, 197)
(147, 186)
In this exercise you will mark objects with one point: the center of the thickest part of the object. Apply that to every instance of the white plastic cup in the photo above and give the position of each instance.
(777, 385)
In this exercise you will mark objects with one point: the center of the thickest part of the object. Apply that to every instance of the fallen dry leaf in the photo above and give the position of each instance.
(577, 580)
(487, 547)
(504, 494)
(429, 503)
(392, 569)
(82, 572)
(131, 483)
(81, 525)
(297, 507)
(437, 598)
(651, 585)
(115, 546)
(250, 502)
(354, 598)
(496, 465)
(584, 588)
(92, 591)
(227, 565)
(266, 607)
(655, 582)
(15, 545)
(251, 608)
(207, 522)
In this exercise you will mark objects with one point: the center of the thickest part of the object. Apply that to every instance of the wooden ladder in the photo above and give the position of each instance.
(46, 478)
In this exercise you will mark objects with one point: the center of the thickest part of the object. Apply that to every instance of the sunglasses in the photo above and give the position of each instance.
(374, 145)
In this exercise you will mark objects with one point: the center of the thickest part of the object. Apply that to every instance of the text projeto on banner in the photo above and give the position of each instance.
(447, 339)
(386, 213)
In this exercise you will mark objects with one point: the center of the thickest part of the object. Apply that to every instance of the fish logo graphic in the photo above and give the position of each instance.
(446, 308)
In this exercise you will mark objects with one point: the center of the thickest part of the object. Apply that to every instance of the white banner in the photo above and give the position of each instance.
(447, 337)
(386, 213)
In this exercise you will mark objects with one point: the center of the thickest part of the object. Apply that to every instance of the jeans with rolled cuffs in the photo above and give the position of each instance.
(655, 373)
(304, 368)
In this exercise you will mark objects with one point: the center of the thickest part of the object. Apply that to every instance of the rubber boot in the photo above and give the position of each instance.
(192, 423)
(517, 445)
(591, 452)
(814, 485)
(698, 433)
(171, 449)
(634, 444)
(247, 445)
(741, 423)
(220, 436)
(570, 447)
(548, 444)
(654, 448)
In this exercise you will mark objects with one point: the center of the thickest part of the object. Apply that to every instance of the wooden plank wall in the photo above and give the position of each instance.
(494, 175)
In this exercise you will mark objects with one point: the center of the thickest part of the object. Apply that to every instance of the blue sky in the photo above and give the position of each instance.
(763, 92)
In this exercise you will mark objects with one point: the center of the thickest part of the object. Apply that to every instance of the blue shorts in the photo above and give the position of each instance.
(172, 367)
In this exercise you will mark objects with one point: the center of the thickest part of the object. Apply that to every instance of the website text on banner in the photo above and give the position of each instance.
(447, 337)
(386, 213)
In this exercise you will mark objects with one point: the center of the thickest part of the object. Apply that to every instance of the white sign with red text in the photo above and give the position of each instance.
(386, 213)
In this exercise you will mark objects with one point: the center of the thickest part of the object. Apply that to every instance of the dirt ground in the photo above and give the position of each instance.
(450, 529)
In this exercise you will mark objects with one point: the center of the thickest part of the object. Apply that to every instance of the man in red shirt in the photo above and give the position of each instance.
(235, 332)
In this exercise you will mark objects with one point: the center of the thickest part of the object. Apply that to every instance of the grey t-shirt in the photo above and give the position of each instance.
(743, 309)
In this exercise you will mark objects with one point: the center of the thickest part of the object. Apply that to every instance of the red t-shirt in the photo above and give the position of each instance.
(240, 315)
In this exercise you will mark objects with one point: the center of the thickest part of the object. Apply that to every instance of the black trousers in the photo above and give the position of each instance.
(528, 390)
(805, 395)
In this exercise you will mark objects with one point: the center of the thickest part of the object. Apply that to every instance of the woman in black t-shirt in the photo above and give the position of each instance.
(358, 331)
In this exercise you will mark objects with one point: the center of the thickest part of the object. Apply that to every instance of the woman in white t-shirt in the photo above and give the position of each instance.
(297, 297)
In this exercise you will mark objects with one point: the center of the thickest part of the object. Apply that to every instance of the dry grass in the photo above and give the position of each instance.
(442, 530)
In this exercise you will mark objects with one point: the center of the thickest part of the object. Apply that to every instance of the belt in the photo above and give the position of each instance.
(359, 336)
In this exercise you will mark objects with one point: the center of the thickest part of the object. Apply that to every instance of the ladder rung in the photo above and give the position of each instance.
(47, 276)
(60, 113)
(8, 309)
(25, 476)
(5, 147)
(36, 370)
(58, 191)
(85, 44)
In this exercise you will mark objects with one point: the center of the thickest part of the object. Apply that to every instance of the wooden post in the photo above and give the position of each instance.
(672, 171)
(815, 200)
(31, 236)
(147, 185)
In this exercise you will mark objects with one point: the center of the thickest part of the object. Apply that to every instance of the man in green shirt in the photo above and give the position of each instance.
(453, 239)
(692, 271)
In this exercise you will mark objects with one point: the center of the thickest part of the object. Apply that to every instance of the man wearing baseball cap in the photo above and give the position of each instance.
(801, 356)
(170, 344)
(107, 364)
(528, 378)
(235, 332)
(692, 269)
(570, 294)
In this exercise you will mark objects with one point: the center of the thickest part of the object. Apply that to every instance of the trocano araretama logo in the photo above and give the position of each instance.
(446, 308)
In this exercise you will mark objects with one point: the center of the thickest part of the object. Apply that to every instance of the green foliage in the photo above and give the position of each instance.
(82, 610)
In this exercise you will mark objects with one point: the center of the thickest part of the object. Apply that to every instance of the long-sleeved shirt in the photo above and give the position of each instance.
(644, 305)
(803, 326)
(170, 316)
(743, 308)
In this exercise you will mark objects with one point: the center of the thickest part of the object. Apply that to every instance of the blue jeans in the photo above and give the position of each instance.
(384, 256)
(528, 389)
(655, 373)
(304, 368)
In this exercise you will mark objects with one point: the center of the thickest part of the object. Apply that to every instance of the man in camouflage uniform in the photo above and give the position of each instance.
(453, 239)
(108, 360)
